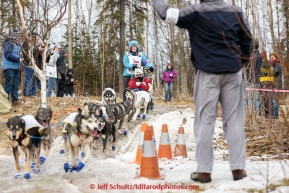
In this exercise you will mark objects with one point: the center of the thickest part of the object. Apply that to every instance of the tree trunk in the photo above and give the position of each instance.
(122, 44)
(271, 21)
(155, 30)
(69, 35)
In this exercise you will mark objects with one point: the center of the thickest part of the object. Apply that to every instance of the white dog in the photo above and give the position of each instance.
(139, 99)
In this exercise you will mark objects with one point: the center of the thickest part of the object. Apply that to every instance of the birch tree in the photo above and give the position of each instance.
(46, 24)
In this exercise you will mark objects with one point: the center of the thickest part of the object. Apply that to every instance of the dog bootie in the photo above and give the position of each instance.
(66, 167)
(17, 175)
(113, 148)
(125, 132)
(33, 164)
(27, 175)
(42, 159)
(80, 165)
(36, 170)
(62, 151)
(144, 116)
(82, 154)
(138, 117)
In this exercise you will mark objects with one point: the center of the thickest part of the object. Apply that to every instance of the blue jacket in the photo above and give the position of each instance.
(10, 56)
(219, 35)
(127, 64)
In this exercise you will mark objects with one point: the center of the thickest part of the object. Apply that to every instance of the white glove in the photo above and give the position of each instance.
(137, 83)
(171, 75)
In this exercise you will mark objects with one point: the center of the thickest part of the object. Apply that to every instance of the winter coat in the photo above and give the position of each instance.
(68, 84)
(25, 51)
(253, 71)
(61, 64)
(129, 57)
(51, 70)
(11, 56)
(166, 75)
(38, 57)
(271, 74)
(221, 41)
(277, 73)
(144, 85)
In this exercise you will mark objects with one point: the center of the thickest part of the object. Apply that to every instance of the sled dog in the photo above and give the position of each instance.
(81, 133)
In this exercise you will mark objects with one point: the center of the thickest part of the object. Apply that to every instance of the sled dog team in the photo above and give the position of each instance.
(81, 130)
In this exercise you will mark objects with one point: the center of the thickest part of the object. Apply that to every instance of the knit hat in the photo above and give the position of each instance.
(134, 42)
(169, 64)
(138, 71)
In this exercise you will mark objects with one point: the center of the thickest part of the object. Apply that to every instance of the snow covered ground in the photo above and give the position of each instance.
(117, 174)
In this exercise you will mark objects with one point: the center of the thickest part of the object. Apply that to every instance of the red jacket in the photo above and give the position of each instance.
(143, 85)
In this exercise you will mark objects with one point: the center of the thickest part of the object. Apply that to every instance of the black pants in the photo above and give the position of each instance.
(126, 80)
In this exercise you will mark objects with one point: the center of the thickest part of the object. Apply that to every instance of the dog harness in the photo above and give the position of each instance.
(31, 122)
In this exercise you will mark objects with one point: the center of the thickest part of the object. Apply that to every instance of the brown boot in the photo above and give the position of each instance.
(201, 177)
(15, 103)
(239, 174)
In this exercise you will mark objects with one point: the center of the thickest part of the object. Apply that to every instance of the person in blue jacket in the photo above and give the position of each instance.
(11, 62)
(133, 59)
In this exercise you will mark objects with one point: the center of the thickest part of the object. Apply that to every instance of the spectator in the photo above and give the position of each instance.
(69, 82)
(133, 59)
(277, 83)
(168, 78)
(29, 87)
(139, 82)
(61, 70)
(220, 45)
(51, 71)
(11, 62)
(253, 72)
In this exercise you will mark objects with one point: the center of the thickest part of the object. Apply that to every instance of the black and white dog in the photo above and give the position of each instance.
(104, 129)
(108, 95)
(139, 99)
(81, 133)
(43, 116)
(119, 112)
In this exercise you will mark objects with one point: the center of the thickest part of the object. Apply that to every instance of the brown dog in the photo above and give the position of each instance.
(17, 136)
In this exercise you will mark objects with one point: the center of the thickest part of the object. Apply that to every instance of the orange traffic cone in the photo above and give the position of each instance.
(140, 143)
(149, 166)
(181, 149)
(151, 128)
(165, 150)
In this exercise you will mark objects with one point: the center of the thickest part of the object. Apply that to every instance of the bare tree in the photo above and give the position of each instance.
(46, 23)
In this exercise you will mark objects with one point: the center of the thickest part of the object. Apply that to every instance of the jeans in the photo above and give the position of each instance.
(52, 82)
(12, 81)
(275, 105)
(169, 90)
(29, 87)
(251, 96)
